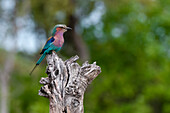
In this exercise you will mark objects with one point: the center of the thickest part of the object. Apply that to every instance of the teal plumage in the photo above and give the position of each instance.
(54, 43)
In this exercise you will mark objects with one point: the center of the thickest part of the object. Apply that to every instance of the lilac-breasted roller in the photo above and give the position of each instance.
(54, 43)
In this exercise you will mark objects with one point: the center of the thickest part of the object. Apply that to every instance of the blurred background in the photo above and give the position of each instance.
(129, 39)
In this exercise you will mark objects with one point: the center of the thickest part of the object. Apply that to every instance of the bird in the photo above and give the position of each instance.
(53, 43)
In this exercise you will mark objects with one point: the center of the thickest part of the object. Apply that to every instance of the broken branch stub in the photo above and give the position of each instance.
(66, 83)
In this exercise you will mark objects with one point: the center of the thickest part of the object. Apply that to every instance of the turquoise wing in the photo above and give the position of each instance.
(47, 45)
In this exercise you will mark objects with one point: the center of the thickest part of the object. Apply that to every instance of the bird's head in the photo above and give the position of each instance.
(60, 28)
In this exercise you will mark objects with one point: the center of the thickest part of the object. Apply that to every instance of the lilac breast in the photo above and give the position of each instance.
(59, 40)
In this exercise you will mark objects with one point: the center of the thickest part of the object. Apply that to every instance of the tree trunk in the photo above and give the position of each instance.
(9, 62)
(66, 83)
(76, 40)
(4, 82)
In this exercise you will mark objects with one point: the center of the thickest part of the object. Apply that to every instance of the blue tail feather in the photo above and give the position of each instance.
(41, 58)
(38, 62)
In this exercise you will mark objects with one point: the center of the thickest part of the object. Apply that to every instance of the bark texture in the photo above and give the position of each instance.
(66, 83)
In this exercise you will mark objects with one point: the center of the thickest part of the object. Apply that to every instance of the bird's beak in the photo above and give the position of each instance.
(68, 28)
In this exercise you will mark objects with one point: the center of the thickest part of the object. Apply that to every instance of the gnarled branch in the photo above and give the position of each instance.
(66, 83)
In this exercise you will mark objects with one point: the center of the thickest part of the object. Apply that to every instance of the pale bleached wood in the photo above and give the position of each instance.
(66, 83)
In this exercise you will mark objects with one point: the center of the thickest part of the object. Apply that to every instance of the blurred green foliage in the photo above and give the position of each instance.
(131, 44)
(134, 58)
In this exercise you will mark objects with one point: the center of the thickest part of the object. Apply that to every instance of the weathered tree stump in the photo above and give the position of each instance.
(66, 83)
